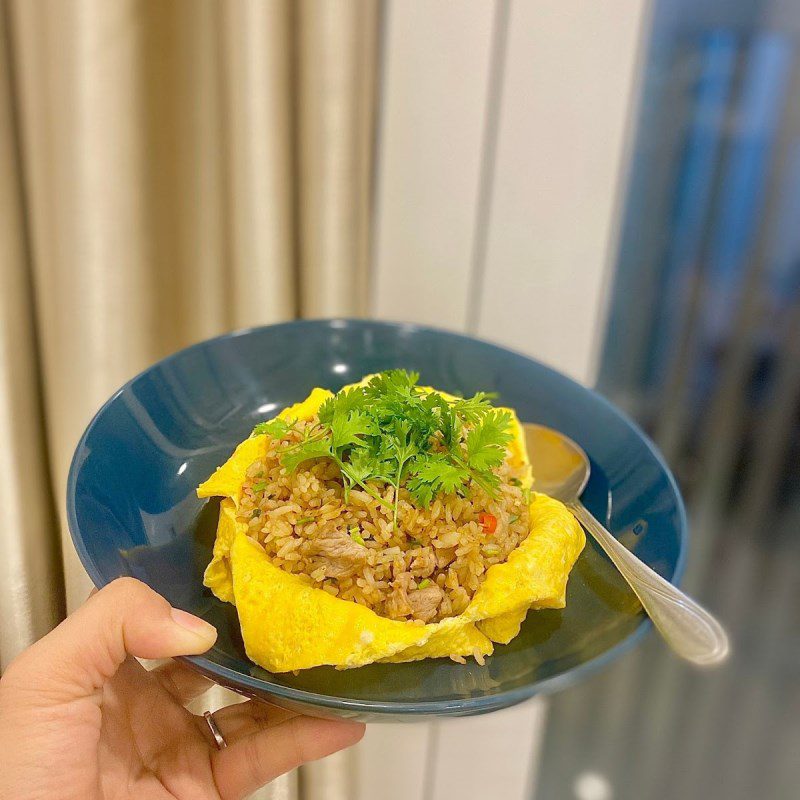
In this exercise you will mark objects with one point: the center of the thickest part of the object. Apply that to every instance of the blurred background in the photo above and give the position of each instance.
(611, 188)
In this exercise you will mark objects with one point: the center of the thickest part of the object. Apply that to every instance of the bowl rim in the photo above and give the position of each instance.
(482, 703)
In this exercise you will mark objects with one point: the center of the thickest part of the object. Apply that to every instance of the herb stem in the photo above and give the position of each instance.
(368, 489)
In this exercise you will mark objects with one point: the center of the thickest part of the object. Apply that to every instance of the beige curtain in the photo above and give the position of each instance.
(169, 169)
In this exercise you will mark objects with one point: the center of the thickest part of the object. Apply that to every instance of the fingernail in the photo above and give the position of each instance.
(194, 624)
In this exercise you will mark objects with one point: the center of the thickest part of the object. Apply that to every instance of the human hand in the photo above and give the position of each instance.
(81, 719)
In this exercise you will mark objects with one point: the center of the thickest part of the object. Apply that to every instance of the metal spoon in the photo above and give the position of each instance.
(561, 470)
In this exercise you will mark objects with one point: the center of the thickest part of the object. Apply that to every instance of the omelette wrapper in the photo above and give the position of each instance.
(288, 625)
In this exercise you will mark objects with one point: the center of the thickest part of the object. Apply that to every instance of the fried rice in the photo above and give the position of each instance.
(424, 569)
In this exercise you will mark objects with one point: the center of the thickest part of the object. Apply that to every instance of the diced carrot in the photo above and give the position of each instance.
(488, 522)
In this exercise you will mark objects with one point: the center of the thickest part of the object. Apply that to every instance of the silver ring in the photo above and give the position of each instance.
(218, 737)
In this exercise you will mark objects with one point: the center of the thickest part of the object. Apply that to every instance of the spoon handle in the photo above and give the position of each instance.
(685, 626)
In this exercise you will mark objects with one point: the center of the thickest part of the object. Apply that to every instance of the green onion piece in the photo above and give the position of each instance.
(414, 543)
(513, 519)
(526, 495)
(356, 536)
(304, 520)
(515, 482)
(260, 486)
(256, 512)
(424, 584)
(491, 549)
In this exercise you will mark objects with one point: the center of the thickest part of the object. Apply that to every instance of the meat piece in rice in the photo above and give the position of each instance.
(336, 553)
(425, 602)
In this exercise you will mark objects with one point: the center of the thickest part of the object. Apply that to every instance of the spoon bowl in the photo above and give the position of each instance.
(559, 466)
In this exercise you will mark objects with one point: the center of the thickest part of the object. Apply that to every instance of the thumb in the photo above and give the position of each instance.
(125, 618)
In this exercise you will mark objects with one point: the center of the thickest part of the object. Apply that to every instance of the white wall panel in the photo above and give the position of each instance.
(500, 159)
(566, 100)
(490, 756)
(433, 105)
(392, 761)
(433, 99)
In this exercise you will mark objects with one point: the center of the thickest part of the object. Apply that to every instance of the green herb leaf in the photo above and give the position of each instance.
(359, 468)
(473, 408)
(391, 432)
(260, 486)
(445, 476)
(487, 441)
(421, 493)
(276, 428)
(350, 430)
(392, 384)
(341, 405)
(436, 475)
(305, 451)
(424, 584)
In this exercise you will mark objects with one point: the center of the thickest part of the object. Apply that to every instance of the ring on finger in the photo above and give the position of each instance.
(219, 739)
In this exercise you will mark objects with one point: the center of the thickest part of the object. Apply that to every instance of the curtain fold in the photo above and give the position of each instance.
(337, 57)
(257, 65)
(162, 143)
(89, 215)
(31, 599)
(168, 171)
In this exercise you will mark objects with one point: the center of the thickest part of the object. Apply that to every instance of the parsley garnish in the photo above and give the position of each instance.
(275, 427)
(390, 432)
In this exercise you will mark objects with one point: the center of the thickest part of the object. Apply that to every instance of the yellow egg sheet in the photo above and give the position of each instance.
(288, 625)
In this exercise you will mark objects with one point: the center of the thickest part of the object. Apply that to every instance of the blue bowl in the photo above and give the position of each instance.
(132, 506)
